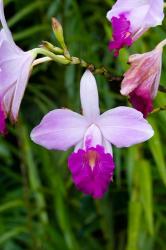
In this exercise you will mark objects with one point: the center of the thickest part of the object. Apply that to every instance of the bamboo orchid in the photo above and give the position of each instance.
(92, 134)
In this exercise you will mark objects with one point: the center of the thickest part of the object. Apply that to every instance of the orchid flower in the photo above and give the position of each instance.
(131, 18)
(92, 134)
(15, 67)
(141, 81)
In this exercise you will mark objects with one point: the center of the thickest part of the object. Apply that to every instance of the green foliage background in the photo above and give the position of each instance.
(40, 209)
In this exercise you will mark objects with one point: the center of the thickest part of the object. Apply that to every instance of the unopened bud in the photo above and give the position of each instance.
(46, 45)
(61, 59)
(51, 47)
(57, 28)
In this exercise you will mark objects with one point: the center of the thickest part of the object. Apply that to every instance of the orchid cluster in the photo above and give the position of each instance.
(92, 134)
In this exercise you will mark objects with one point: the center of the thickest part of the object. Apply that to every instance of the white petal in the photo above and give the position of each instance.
(92, 137)
(78, 146)
(108, 147)
(89, 96)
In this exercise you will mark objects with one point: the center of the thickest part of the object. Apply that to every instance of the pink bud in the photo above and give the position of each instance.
(142, 80)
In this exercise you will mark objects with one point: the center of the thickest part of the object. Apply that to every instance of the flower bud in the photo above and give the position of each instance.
(51, 47)
(58, 31)
(142, 80)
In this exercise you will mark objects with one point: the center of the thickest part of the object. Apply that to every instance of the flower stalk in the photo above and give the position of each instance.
(49, 50)
(158, 110)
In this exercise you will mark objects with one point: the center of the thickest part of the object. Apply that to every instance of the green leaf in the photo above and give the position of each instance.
(146, 194)
(156, 148)
(134, 225)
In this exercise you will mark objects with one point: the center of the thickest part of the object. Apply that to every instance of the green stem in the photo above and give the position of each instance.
(50, 56)
(159, 109)
(162, 89)
(41, 60)
(57, 58)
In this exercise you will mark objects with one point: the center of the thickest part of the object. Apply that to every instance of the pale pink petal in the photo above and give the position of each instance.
(78, 146)
(139, 33)
(2, 36)
(89, 96)
(124, 127)
(8, 98)
(137, 17)
(92, 137)
(2, 120)
(145, 71)
(4, 23)
(10, 65)
(133, 18)
(60, 129)
(122, 6)
(6, 29)
(141, 13)
(142, 79)
(155, 86)
(108, 147)
(21, 84)
(155, 15)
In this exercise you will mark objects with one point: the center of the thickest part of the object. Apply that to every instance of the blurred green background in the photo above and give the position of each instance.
(40, 209)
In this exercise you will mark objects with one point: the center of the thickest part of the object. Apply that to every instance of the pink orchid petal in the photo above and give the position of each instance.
(4, 23)
(155, 15)
(78, 146)
(8, 98)
(122, 6)
(3, 36)
(142, 79)
(145, 72)
(89, 96)
(92, 170)
(150, 10)
(108, 147)
(21, 84)
(139, 33)
(6, 28)
(137, 17)
(124, 127)
(60, 129)
(92, 137)
(140, 14)
(10, 65)
(2, 120)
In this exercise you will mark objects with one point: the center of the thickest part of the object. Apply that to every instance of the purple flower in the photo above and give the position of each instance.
(92, 134)
(15, 67)
(142, 80)
(131, 18)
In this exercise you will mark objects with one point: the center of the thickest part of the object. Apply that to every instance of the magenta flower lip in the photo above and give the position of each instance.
(122, 35)
(92, 170)
(91, 164)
